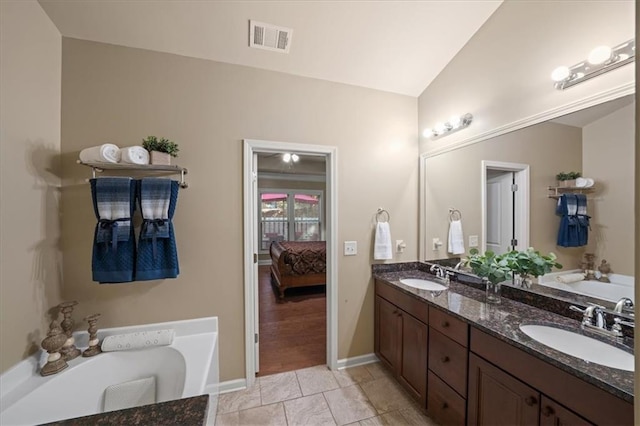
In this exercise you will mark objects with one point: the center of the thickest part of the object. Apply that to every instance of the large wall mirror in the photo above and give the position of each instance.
(476, 179)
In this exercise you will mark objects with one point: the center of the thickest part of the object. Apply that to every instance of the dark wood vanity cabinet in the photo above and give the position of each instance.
(508, 386)
(401, 340)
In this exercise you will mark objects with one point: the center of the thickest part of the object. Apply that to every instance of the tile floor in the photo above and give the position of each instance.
(364, 395)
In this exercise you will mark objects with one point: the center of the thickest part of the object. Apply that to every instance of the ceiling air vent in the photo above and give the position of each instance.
(269, 37)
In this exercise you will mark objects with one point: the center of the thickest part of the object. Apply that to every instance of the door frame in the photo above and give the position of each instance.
(250, 148)
(522, 200)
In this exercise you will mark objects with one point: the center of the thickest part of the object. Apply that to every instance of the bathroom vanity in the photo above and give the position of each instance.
(467, 362)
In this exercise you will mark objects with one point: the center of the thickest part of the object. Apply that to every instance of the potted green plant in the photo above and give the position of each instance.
(161, 150)
(567, 179)
(530, 263)
(492, 268)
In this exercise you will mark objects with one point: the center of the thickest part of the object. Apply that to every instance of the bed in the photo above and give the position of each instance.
(298, 264)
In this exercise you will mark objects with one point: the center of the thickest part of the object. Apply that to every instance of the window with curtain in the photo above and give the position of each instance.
(290, 215)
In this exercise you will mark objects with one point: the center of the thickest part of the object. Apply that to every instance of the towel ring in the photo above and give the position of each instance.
(454, 214)
(381, 212)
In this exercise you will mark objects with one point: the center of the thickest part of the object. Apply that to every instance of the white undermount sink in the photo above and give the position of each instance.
(422, 284)
(580, 346)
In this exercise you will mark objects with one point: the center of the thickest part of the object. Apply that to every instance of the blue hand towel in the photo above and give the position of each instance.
(574, 221)
(114, 242)
(157, 251)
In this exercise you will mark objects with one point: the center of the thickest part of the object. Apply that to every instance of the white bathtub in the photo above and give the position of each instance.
(619, 287)
(187, 367)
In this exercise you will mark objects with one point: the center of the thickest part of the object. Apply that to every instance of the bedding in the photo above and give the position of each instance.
(298, 264)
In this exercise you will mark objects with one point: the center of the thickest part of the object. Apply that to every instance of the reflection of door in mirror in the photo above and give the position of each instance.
(500, 211)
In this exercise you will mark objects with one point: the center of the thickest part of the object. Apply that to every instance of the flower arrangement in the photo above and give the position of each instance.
(499, 268)
(492, 267)
(562, 176)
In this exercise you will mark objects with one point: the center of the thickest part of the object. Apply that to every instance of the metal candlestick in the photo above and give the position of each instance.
(94, 347)
(69, 351)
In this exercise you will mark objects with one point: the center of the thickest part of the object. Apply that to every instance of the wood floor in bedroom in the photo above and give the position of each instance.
(292, 330)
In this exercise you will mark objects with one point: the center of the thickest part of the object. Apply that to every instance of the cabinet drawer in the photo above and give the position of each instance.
(444, 405)
(448, 360)
(450, 326)
(413, 306)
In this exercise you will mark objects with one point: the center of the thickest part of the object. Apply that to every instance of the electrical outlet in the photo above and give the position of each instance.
(400, 246)
(436, 243)
(473, 241)
(350, 248)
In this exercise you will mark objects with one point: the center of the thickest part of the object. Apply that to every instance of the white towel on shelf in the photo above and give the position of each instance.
(382, 246)
(134, 155)
(570, 278)
(456, 237)
(105, 153)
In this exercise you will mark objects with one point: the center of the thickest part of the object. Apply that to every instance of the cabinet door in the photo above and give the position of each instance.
(497, 398)
(554, 414)
(388, 333)
(412, 372)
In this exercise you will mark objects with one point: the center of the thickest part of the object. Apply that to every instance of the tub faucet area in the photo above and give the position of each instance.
(624, 305)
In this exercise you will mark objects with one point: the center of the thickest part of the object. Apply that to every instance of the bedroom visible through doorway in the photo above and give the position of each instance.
(291, 284)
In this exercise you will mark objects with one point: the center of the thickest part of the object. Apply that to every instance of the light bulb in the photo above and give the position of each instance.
(427, 133)
(560, 73)
(440, 128)
(286, 157)
(295, 158)
(599, 55)
(455, 121)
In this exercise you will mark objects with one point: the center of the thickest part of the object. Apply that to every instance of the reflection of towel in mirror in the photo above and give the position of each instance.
(105, 153)
(456, 237)
(382, 246)
(574, 224)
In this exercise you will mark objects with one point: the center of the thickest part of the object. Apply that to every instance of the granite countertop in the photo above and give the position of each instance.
(503, 320)
(185, 412)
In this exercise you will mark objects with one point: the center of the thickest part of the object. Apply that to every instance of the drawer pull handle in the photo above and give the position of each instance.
(445, 359)
(547, 411)
(445, 324)
(531, 401)
(445, 405)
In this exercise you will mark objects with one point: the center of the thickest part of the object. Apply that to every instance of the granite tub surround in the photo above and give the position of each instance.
(503, 321)
(187, 412)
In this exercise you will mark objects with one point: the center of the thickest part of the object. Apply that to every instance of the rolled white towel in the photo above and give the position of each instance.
(105, 153)
(134, 155)
(570, 278)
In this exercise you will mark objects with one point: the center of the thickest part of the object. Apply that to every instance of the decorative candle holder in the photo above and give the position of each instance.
(69, 351)
(52, 344)
(94, 347)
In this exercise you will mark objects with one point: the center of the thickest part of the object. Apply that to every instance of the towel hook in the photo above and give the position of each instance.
(454, 214)
(381, 212)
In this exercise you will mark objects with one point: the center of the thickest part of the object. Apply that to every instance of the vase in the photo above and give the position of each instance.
(522, 281)
(567, 183)
(492, 292)
(160, 158)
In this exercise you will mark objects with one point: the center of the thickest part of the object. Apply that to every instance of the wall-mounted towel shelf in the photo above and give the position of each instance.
(150, 168)
(556, 191)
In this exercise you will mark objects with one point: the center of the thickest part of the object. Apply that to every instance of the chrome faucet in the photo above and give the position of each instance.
(459, 265)
(594, 319)
(438, 270)
(624, 305)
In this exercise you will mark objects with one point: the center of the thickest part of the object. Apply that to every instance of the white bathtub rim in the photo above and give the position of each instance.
(19, 381)
(618, 279)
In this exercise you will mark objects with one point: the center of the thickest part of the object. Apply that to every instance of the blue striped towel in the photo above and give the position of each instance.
(155, 194)
(113, 203)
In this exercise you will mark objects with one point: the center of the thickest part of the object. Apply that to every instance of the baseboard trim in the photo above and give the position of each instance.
(232, 385)
(357, 360)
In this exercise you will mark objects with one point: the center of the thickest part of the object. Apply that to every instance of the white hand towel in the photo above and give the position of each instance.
(382, 246)
(570, 278)
(134, 155)
(456, 237)
(105, 153)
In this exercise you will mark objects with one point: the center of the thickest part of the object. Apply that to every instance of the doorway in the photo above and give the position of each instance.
(505, 206)
(254, 236)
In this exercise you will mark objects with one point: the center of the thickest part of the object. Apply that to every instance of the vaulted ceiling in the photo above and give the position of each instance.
(395, 46)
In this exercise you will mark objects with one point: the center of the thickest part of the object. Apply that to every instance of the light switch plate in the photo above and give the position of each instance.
(473, 241)
(350, 248)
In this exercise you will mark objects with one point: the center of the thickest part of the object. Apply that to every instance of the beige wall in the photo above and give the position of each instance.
(608, 157)
(30, 257)
(120, 95)
(453, 180)
(502, 74)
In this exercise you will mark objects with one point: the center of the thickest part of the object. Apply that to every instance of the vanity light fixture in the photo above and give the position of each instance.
(601, 59)
(455, 123)
(288, 157)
